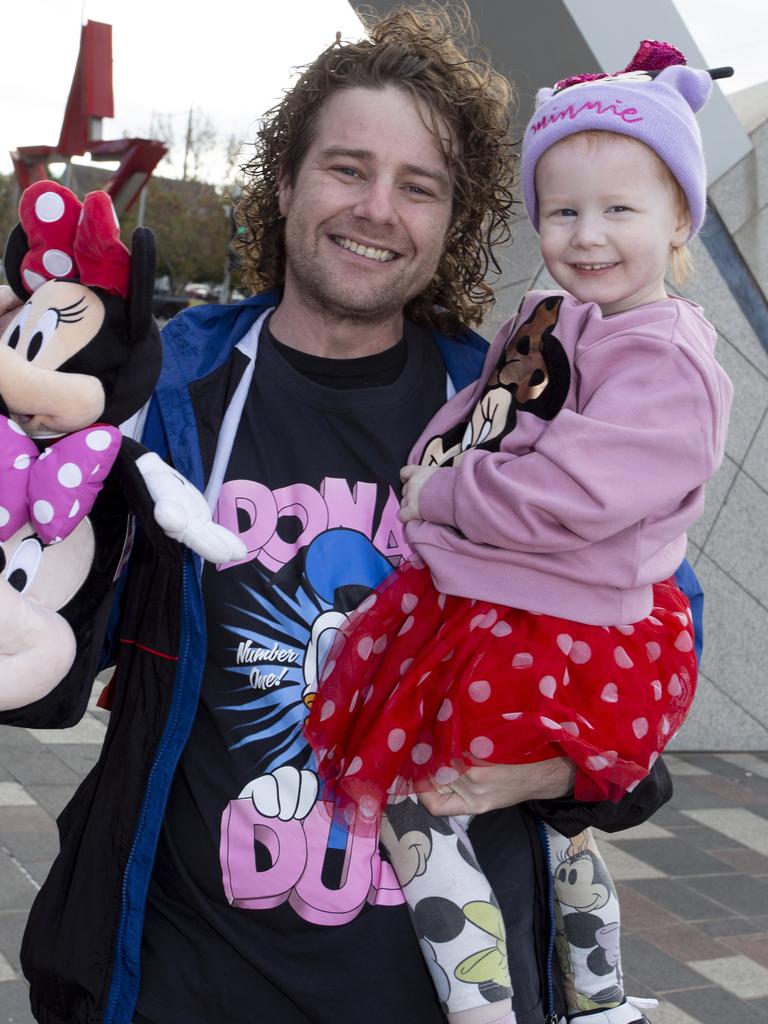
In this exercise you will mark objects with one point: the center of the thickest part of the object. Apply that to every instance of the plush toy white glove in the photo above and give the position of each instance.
(183, 514)
(285, 793)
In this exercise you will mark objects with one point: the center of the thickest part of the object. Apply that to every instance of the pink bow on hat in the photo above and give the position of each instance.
(55, 489)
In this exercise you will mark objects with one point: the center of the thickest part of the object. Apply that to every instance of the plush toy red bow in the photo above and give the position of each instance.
(70, 239)
(652, 55)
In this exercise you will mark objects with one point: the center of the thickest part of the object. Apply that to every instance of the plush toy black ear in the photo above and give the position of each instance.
(16, 249)
(142, 283)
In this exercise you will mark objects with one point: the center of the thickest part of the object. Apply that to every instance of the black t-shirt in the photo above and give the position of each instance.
(252, 918)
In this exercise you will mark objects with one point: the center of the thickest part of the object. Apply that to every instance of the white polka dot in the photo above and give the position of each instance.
(481, 747)
(99, 440)
(406, 625)
(674, 686)
(32, 279)
(368, 694)
(421, 753)
(327, 710)
(581, 652)
(566, 677)
(596, 762)
(656, 687)
(654, 621)
(564, 642)
(328, 668)
(5, 515)
(57, 263)
(622, 659)
(354, 766)
(548, 723)
(368, 807)
(440, 601)
(547, 686)
(364, 647)
(49, 207)
(368, 603)
(570, 727)
(21, 462)
(682, 618)
(69, 475)
(74, 510)
(42, 511)
(501, 629)
(625, 630)
(405, 666)
(445, 712)
(522, 660)
(654, 650)
(380, 645)
(425, 676)
(16, 428)
(397, 785)
(653, 759)
(633, 786)
(444, 776)
(408, 603)
(479, 690)
(664, 726)
(44, 455)
(640, 727)
(512, 715)
(396, 739)
(684, 641)
(610, 693)
(449, 655)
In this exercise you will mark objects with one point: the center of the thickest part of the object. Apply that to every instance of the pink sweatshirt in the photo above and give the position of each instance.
(580, 514)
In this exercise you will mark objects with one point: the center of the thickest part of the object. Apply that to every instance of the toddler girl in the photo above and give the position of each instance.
(548, 507)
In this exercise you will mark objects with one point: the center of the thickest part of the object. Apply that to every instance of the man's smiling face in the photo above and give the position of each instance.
(369, 210)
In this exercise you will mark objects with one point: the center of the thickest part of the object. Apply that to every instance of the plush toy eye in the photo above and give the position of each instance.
(44, 330)
(24, 563)
(16, 326)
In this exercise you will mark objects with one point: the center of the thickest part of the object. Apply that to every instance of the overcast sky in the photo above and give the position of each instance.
(232, 59)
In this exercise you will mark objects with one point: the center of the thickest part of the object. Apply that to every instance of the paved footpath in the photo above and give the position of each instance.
(693, 883)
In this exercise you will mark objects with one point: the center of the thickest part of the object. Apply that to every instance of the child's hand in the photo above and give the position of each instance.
(414, 478)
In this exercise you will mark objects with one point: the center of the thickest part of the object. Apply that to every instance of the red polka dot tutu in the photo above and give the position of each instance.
(421, 686)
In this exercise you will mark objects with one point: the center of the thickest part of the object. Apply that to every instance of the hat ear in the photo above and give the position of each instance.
(543, 95)
(16, 249)
(142, 283)
(693, 84)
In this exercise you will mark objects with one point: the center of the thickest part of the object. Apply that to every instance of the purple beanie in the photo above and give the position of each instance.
(658, 111)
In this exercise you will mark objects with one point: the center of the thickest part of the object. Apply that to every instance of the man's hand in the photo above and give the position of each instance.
(414, 478)
(486, 788)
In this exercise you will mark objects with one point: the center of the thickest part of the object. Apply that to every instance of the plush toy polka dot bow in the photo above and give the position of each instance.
(69, 239)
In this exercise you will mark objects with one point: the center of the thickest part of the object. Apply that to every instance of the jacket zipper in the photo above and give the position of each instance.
(552, 1017)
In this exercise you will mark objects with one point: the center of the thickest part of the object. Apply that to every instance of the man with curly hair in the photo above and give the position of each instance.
(379, 186)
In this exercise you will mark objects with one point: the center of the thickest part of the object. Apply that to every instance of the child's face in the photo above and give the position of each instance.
(608, 220)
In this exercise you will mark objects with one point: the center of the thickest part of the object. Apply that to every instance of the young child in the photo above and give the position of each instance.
(550, 503)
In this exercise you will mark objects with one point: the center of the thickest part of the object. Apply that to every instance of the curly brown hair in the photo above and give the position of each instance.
(413, 49)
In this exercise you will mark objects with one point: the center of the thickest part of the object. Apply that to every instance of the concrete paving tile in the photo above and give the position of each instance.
(28, 833)
(674, 857)
(707, 838)
(727, 926)
(713, 1005)
(737, 974)
(684, 942)
(39, 868)
(12, 794)
(746, 861)
(753, 946)
(653, 967)
(690, 795)
(7, 973)
(638, 912)
(12, 736)
(80, 757)
(36, 764)
(677, 898)
(668, 1013)
(669, 817)
(679, 764)
(16, 891)
(742, 894)
(648, 830)
(748, 828)
(623, 866)
(14, 1002)
(88, 730)
(737, 792)
(749, 763)
(12, 924)
(53, 798)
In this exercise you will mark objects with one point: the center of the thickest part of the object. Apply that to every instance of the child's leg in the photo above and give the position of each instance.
(454, 912)
(588, 923)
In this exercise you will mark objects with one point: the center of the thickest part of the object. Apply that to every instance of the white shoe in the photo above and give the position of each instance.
(628, 1012)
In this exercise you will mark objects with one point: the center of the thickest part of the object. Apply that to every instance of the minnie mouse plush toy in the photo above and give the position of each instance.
(81, 356)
